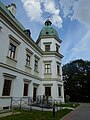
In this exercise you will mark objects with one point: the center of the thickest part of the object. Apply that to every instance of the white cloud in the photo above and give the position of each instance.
(57, 21)
(66, 6)
(36, 12)
(33, 9)
(77, 9)
(82, 12)
(50, 7)
(82, 48)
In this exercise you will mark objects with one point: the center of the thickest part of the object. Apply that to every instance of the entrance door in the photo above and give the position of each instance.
(34, 93)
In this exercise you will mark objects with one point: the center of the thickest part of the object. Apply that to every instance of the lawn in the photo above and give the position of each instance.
(37, 115)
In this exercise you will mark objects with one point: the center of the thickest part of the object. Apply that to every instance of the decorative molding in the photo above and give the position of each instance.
(36, 84)
(21, 33)
(47, 61)
(46, 74)
(58, 62)
(53, 53)
(53, 79)
(28, 50)
(52, 36)
(59, 85)
(11, 59)
(19, 71)
(37, 57)
(57, 45)
(9, 75)
(27, 80)
(28, 67)
(47, 43)
(14, 39)
(47, 84)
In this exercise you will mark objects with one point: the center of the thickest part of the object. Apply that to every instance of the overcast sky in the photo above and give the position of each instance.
(71, 19)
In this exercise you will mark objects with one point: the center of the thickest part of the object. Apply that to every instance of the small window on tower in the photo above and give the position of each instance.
(57, 48)
(47, 48)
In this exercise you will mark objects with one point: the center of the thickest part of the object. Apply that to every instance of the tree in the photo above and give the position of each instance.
(76, 76)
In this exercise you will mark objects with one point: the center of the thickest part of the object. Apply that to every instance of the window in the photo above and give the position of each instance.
(27, 60)
(57, 49)
(47, 91)
(12, 50)
(58, 69)
(47, 33)
(13, 47)
(7, 88)
(29, 54)
(25, 93)
(36, 65)
(47, 48)
(59, 91)
(47, 68)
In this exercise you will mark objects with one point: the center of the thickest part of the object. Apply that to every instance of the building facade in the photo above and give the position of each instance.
(28, 68)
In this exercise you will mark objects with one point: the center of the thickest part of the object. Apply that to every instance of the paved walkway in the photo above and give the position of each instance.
(81, 113)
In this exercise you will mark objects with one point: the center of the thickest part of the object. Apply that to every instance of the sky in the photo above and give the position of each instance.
(71, 19)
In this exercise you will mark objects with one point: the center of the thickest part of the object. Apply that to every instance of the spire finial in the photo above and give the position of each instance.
(48, 22)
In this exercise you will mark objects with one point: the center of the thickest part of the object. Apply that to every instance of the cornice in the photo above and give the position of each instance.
(19, 71)
(53, 53)
(13, 25)
(27, 74)
(44, 37)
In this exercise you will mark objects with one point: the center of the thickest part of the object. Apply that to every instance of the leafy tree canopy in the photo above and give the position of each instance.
(76, 76)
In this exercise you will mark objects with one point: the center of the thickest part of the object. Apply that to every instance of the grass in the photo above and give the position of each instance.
(37, 115)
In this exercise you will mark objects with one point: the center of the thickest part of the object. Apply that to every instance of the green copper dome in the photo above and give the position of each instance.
(48, 30)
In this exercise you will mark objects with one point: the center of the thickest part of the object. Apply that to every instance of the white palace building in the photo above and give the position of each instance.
(28, 68)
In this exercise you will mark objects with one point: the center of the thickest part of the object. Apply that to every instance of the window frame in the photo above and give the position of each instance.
(59, 91)
(12, 51)
(10, 78)
(29, 54)
(58, 69)
(7, 91)
(47, 47)
(47, 68)
(47, 92)
(26, 87)
(14, 43)
(57, 48)
(28, 61)
(36, 65)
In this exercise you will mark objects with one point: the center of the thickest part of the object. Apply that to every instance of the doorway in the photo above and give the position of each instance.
(34, 93)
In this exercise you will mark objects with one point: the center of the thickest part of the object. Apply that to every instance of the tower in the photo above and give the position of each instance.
(49, 42)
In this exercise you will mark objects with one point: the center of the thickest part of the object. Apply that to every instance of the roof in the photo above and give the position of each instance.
(48, 30)
(5, 9)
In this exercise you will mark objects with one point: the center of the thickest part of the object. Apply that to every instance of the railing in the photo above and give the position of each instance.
(19, 102)
(27, 102)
